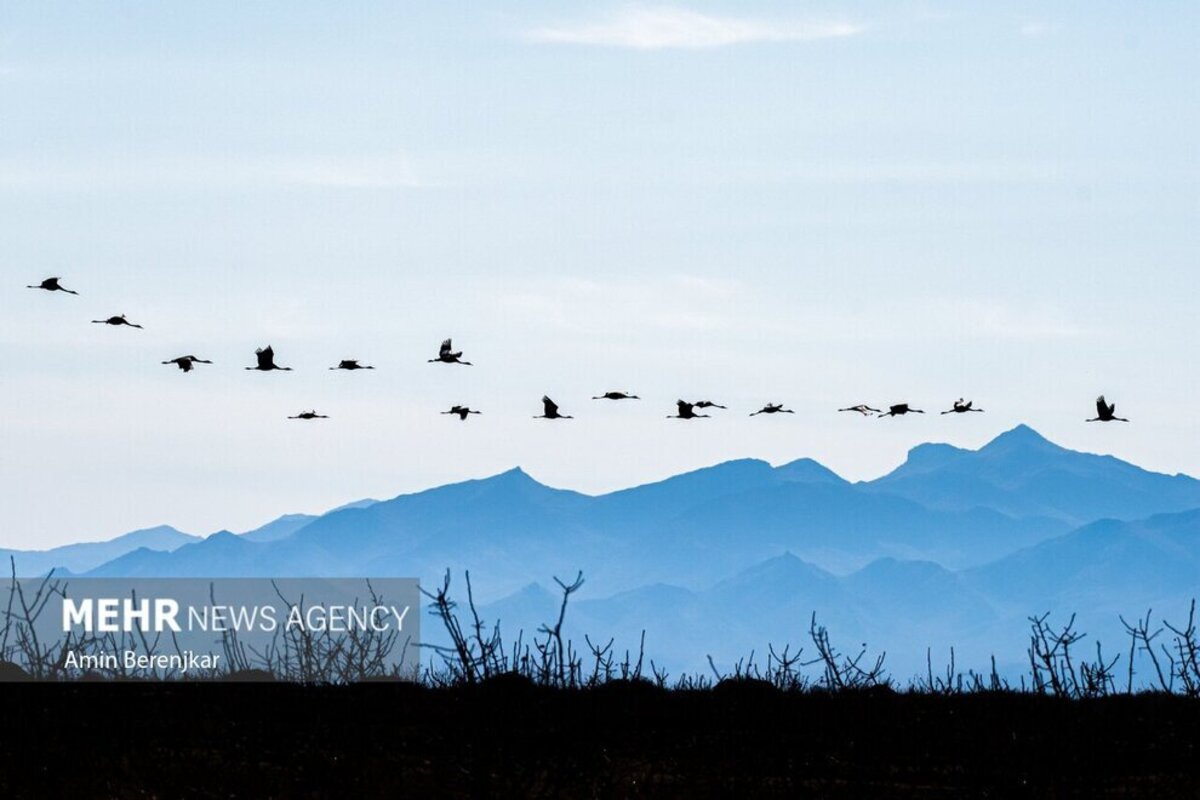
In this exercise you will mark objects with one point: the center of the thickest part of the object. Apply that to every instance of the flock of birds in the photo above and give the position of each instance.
(265, 357)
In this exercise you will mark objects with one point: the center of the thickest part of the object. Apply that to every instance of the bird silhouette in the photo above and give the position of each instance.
(707, 404)
(616, 396)
(1106, 412)
(115, 321)
(963, 406)
(863, 409)
(446, 355)
(52, 285)
(351, 363)
(461, 411)
(550, 410)
(187, 363)
(686, 410)
(266, 360)
(773, 408)
(309, 415)
(900, 410)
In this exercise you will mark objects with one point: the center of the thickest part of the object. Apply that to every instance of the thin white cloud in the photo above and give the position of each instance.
(928, 319)
(670, 303)
(701, 304)
(386, 172)
(976, 171)
(661, 28)
(42, 173)
(1033, 29)
(1004, 321)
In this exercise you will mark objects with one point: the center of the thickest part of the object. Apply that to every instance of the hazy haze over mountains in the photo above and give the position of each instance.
(954, 547)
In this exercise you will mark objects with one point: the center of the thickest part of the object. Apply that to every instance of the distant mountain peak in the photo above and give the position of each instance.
(807, 470)
(516, 478)
(1023, 437)
(786, 564)
(931, 457)
(535, 591)
(932, 454)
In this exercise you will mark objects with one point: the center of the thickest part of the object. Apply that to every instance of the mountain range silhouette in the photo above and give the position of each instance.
(953, 547)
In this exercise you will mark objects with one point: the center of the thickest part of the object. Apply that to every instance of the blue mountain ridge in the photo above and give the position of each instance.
(1022, 474)
(85, 556)
(730, 557)
(1102, 570)
(700, 526)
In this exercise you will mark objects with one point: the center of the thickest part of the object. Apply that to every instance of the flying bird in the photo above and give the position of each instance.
(309, 415)
(1106, 412)
(461, 411)
(550, 410)
(962, 406)
(773, 408)
(686, 410)
(52, 285)
(863, 409)
(187, 363)
(115, 321)
(616, 396)
(266, 360)
(707, 404)
(446, 355)
(900, 410)
(351, 363)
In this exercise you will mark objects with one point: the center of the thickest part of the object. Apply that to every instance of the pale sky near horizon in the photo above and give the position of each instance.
(818, 204)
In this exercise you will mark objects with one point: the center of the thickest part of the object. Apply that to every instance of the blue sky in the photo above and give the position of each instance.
(818, 204)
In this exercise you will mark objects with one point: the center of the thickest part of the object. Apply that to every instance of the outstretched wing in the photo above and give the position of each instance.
(1102, 408)
(265, 356)
(968, 404)
(445, 348)
(549, 407)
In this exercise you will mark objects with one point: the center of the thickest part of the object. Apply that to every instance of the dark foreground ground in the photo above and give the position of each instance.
(141, 740)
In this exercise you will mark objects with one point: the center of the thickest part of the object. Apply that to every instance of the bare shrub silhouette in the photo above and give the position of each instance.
(1181, 655)
(1056, 666)
(781, 671)
(1184, 654)
(841, 671)
(20, 643)
(1056, 670)
(950, 681)
(301, 655)
(472, 656)
(478, 653)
